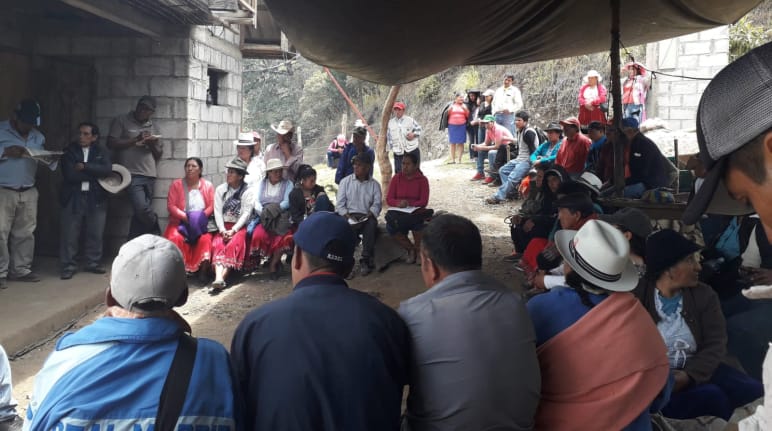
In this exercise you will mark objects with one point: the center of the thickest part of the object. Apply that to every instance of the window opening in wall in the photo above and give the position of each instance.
(216, 78)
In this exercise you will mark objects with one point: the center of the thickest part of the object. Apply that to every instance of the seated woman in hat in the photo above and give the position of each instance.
(535, 217)
(602, 360)
(232, 208)
(688, 316)
(307, 197)
(286, 149)
(273, 236)
(248, 150)
(408, 189)
(190, 202)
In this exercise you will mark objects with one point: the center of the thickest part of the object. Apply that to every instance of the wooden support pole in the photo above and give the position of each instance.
(616, 92)
(381, 151)
(351, 103)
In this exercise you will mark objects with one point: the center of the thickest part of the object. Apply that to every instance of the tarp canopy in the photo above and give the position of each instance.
(400, 41)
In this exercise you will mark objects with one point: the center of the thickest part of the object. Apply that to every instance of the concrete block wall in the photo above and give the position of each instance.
(701, 55)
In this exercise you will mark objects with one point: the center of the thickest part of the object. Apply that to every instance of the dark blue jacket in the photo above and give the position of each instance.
(324, 358)
(647, 164)
(98, 166)
(345, 168)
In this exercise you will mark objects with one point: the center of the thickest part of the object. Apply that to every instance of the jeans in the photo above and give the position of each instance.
(634, 111)
(481, 156)
(398, 160)
(74, 214)
(634, 191)
(506, 120)
(18, 219)
(144, 220)
(332, 159)
(511, 174)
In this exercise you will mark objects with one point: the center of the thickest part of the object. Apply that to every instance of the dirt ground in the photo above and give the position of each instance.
(217, 317)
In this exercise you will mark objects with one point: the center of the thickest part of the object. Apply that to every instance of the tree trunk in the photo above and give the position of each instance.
(381, 150)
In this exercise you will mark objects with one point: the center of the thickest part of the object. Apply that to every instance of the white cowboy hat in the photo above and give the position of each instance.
(119, 179)
(273, 164)
(594, 73)
(284, 127)
(245, 139)
(600, 254)
(590, 181)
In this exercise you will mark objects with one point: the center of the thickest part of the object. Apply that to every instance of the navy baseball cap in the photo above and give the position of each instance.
(733, 110)
(327, 235)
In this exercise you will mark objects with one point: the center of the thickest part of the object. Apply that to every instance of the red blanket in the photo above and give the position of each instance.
(602, 371)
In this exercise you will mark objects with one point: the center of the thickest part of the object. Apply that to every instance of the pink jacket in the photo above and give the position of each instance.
(175, 200)
(602, 94)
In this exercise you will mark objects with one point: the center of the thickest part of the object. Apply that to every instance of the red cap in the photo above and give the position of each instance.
(399, 105)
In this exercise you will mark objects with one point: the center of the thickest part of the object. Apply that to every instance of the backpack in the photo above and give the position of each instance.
(540, 134)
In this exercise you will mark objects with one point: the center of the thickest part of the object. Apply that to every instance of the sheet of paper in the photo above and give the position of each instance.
(408, 210)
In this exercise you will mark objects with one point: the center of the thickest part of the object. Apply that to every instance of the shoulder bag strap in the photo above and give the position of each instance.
(176, 384)
(185, 190)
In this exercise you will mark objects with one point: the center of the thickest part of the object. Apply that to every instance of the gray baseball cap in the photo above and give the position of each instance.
(148, 273)
(734, 109)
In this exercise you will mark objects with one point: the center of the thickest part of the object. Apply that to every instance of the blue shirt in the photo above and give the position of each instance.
(593, 156)
(345, 167)
(325, 358)
(19, 172)
(560, 308)
(547, 156)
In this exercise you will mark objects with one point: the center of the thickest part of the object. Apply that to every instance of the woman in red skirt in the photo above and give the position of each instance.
(273, 236)
(190, 203)
(232, 208)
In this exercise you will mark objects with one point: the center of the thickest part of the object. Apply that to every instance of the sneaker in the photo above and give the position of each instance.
(66, 274)
(96, 269)
(494, 183)
(514, 257)
(29, 277)
(492, 201)
(3, 283)
(488, 180)
(477, 177)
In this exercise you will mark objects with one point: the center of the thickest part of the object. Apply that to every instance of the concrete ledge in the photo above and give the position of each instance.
(30, 312)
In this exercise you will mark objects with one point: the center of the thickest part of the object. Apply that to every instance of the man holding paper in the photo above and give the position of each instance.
(359, 200)
(18, 195)
(135, 140)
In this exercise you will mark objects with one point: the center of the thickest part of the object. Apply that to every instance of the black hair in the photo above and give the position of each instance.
(637, 243)
(305, 171)
(750, 159)
(94, 127)
(509, 75)
(576, 282)
(412, 156)
(522, 115)
(453, 243)
(198, 162)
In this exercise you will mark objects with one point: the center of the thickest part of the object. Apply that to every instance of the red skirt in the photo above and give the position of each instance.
(230, 254)
(535, 246)
(266, 244)
(192, 254)
(586, 116)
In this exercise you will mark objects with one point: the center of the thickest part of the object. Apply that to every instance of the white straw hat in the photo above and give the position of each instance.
(119, 179)
(284, 127)
(245, 139)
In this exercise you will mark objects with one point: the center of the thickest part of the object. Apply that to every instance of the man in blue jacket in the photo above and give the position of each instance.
(351, 150)
(84, 201)
(326, 357)
(109, 375)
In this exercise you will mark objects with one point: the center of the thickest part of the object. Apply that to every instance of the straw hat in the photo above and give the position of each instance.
(284, 127)
(245, 139)
(273, 164)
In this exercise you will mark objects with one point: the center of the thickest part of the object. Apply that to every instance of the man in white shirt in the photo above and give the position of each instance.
(359, 200)
(402, 136)
(506, 101)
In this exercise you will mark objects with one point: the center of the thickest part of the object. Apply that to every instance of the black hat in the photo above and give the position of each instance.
(577, 202)
(664, 249)
(632, 219)
(554, 127)
(733, 110)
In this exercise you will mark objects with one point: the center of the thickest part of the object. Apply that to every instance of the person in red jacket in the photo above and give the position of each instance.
(574, 148)
(190, 202)
(408, 196)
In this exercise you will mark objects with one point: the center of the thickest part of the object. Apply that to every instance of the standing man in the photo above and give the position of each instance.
(572, 154)
(513, 171)
(18, 195)
(506, 101)
(83, 200)
(326, 357)
(135, 140)
(402, 136)
(467, 372)
(356, 147)
(496, 139)
(109, 374)
(359, 201)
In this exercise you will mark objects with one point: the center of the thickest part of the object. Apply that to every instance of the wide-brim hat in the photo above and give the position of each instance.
(273, 164)
(284, 127)
(600, 254)
(593, 74)
(553, 127)
(245, 139)
(119, 179)
(591, 182)
(488, 92)
(665, 248)
(238, 164)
